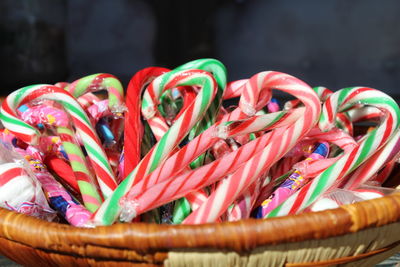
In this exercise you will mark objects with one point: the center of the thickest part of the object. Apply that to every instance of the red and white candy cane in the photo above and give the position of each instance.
(341, 101)
(366, 113)
(372, 165)
(234, 89)
(88, 99)
(62, 85)
(243, 206)
(281, 141)
(84, 129)
(308, 168)
(133, 131)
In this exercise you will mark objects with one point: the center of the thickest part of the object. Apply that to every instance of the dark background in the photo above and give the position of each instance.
(334, 43)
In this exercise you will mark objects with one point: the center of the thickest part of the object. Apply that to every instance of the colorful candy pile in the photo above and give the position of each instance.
(184, 146)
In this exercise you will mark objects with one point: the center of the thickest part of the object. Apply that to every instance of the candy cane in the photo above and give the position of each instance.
(244, 204)
(219, 72)
(306, 168)
(110, 209)
(133, 131)
(97, 82)
(62, 85)
(372, 165)
(234, 89)
(158, 124)
(282, 140)
(84, 129)
(338, 102)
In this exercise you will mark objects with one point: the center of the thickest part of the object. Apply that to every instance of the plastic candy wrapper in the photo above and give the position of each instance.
(59, 198)
(54, 117)
(296, 180)
(20, 191)
(338, 197)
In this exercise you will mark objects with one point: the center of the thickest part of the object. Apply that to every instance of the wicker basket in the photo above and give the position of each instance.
(361, 234)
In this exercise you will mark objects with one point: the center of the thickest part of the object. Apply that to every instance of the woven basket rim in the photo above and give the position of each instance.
(238, 236)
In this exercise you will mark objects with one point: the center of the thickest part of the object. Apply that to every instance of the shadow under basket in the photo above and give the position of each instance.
(361, 234)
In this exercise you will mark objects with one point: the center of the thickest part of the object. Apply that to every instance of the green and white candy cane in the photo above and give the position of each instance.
(220, 74)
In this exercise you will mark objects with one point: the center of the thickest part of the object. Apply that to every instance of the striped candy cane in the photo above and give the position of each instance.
(98, 82)
(111, 208)
(372, 165)
(218, 70)
(282, 140)
(339, 102)
(159, 125)
(87, 100)
(62, 85)
(234, 89)
(133, 131)
(84, 129)
(308, 168)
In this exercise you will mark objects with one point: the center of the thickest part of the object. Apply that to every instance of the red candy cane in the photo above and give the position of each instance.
(133, 127)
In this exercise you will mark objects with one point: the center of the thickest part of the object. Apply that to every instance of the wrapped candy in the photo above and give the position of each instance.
(20, 191)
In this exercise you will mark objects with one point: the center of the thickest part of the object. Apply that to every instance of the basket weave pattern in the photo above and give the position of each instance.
(362, 233)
